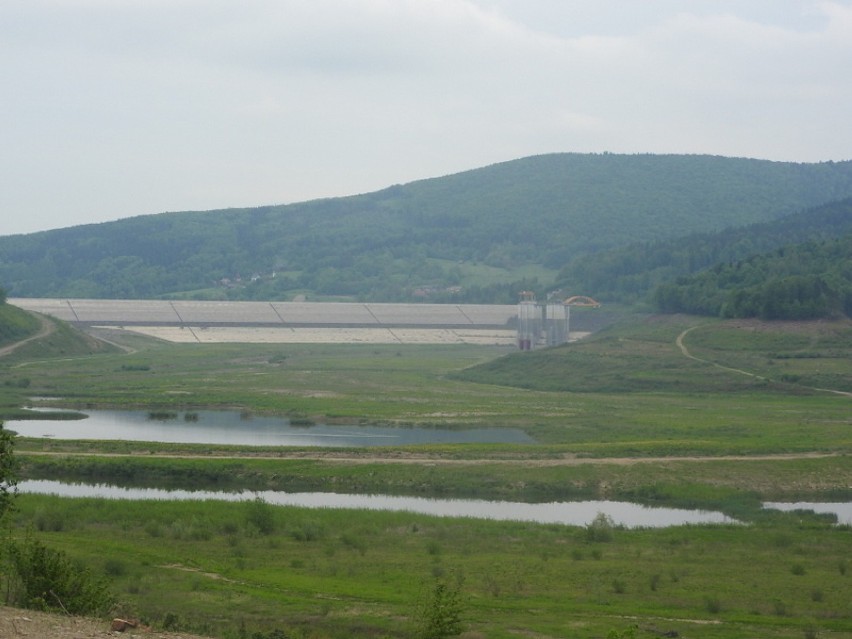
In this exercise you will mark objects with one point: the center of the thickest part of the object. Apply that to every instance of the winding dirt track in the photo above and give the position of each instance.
(47, 327)
(685, 351)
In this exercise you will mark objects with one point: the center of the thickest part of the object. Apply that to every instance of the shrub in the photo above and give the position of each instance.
(780, 608)
(45, 579)
(115, 568)
(8, 471)
(440, 616)
(600, 529)
(261, 515)
(712, 605)
(655, 581)
(627, 633)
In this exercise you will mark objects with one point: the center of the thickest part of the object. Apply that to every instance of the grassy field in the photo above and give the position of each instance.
(732, 414)
(226, 569)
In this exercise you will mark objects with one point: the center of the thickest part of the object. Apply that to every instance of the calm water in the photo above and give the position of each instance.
(843, 510)
(231, 427)
(570, 513)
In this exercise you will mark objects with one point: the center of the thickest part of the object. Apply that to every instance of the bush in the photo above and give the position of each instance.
(440, 615)
(600, 530)
(261, 515)
(713, 605)
(8, 471)
(45, 579)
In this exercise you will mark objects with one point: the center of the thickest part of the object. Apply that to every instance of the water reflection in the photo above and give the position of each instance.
(842, 510)
(234, 428)
(569, 513)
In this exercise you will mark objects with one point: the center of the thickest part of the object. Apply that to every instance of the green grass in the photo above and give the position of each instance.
(636, 394)
(15, 324)
(338, 573)
(627, 392)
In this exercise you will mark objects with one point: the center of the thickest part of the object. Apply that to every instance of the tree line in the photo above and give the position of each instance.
(801, 281)
(631, 273)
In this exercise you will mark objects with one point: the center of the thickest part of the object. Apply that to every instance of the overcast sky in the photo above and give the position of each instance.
(114, 108)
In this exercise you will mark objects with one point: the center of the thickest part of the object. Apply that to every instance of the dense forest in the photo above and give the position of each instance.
(628, 274)
(477, 236)
(800, 281)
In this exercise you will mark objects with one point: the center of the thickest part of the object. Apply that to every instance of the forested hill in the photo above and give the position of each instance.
(433, 235)
(800, 281)
(631, 272)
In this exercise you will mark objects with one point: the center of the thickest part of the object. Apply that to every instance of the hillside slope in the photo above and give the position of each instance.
(807, 280)
(628, 273)
(15, 324)
(540, 210)
(685, 354)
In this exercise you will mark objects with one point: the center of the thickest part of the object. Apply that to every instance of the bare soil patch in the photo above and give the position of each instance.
(16, 623)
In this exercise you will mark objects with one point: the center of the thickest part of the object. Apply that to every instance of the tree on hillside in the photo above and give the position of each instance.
(2, 295)
(8, 471)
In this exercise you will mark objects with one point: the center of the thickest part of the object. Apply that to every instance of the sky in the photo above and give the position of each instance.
(116, 108)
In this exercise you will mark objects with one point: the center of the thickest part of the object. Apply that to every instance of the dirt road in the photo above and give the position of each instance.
(47, 327)
(679, 342)
(425, 459)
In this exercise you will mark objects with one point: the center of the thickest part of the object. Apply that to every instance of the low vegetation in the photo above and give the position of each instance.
(642, 411)
(209, 568)
(15, 324)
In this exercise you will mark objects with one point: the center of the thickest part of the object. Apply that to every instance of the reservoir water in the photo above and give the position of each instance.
(842, 510)
(578, 513)
(235, 428)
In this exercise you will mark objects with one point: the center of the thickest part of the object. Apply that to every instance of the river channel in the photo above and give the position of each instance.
(235, 428)
(579, 513)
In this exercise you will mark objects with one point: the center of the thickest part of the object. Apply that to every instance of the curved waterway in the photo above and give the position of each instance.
(235, 428)
(578, 513)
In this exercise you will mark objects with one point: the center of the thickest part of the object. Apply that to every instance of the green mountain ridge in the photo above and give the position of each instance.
(434, 235)
(632, 272)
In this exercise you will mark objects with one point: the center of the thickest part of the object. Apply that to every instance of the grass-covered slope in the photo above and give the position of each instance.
(539, 211)
(15, 324)
(716, 357)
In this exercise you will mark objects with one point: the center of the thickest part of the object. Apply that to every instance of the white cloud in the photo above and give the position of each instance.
(139, 106)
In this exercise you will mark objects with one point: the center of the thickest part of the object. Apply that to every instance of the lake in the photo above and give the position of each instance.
(842, 510)
(578, 513)
(235, 428)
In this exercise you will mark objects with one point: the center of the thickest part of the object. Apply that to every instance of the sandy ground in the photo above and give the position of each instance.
(18, 624)
(255, 335)
(328, 335)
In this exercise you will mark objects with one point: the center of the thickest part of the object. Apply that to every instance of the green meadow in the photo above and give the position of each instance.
(729, 415)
